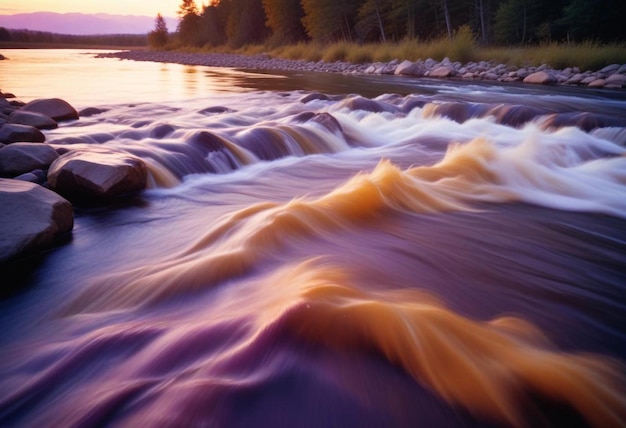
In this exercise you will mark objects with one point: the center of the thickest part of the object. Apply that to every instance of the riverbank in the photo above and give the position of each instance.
(612, 76)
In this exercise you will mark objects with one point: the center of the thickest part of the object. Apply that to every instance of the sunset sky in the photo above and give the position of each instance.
(123, 7)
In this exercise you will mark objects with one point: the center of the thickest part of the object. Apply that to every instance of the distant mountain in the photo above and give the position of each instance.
(83, 24)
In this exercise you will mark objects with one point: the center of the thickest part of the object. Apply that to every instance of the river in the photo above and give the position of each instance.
(322, 250)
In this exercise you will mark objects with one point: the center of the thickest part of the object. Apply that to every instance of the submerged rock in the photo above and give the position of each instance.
(56, 108)
(33, 218)
(20, 158)
(91, 175)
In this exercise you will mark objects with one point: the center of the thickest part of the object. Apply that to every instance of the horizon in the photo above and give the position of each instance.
(166, 8)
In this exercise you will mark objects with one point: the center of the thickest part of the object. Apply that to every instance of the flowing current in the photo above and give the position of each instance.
(325, 251)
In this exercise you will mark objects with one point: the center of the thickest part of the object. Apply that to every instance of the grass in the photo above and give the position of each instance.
(461, 47)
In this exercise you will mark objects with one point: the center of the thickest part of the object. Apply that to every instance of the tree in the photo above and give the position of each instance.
(370, 23)
(187, 7)
(189, 25)
(246, 23)
(284, 18)
(330, 20)
(5, 36)
(158, 37)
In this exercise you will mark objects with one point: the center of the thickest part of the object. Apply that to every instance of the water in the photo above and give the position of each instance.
(323, 250)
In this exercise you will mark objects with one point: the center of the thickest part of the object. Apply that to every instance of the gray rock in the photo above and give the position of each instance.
(37, 176)
(540, 78)
(408, 68)
(89, 175)
(33, 218)
(38, 120)
(610, 69)
(13, 133)
(55, 108)
(442, 71)
(616, 80)
(576, 78)
(598, 83)
(522, 72)
(19, 158)
(587, 80)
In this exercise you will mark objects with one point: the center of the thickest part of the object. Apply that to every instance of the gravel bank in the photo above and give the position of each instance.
(612, 76)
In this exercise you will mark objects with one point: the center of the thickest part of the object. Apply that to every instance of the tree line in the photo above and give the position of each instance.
(505, 22)
(44, 37)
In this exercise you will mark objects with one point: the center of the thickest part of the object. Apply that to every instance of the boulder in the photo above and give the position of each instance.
(33, 218)
(55, 108)
(92, 175)
(20, 158)
(587, 80)
(615, 80)
(2, 57)
(13, 133)
(598, 83)
(540, 78)
(408, 68)
(442, 71)
(38, 120)
(610, 68)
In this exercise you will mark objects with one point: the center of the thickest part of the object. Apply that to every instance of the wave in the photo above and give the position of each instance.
(549, 174)
(501, 370)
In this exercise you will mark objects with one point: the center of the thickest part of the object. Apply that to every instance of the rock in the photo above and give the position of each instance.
(622, 69)
(33, 218)
(598, 83)
(610, 69)
(13, 133)
(20, 158)
(56, 108)
(89, 175)
(38, 120)
(2, 57)
(37, 176)
(442, 71)
(616, 80)
(404, 68)
(576, 78)
(311, 97)
(7, 95)
(91, 111)
(587, 80)
(540, 78)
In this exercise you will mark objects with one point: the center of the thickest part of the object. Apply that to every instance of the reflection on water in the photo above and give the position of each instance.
(83, 80)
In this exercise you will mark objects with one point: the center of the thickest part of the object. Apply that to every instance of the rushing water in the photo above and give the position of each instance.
(325, 250)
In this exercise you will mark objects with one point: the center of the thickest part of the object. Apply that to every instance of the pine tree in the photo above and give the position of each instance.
(158, 37)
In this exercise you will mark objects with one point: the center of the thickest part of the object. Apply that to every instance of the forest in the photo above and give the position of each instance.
(27, 37)
(236, 23)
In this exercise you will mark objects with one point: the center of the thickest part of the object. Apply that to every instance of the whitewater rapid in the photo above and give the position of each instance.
(311, 259)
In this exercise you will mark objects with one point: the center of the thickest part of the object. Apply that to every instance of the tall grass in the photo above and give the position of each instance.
(461, 47)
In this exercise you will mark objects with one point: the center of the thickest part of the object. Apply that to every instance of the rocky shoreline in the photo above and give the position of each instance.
(40, 182)
(611, 77)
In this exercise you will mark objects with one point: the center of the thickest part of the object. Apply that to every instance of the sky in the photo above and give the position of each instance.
(116, 7)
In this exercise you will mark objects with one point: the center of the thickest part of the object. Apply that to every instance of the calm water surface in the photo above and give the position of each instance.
(326, 250)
